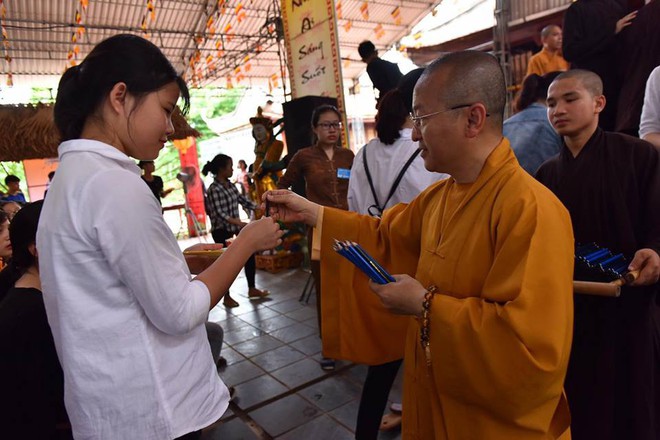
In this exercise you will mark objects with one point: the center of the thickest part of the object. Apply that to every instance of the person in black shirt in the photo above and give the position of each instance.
(591, 38)
(155, 183)
(31, 377)
(383, 74)
(610, 184)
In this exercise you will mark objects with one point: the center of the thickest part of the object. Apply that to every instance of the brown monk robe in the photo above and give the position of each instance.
(639, 54)
(591, 37)
(610, 184)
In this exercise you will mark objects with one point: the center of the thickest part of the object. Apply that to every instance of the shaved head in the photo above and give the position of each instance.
(588, 79)
(469, 77)
(546, 31)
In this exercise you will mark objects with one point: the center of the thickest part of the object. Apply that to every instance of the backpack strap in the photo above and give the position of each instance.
(371, 183)
(395, 185)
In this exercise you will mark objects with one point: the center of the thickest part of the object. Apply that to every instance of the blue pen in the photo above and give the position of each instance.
(595, 255)
(612, 261)
(342, 250)
(369, 268)
(586, 249)
(351, 254)
(377, 266)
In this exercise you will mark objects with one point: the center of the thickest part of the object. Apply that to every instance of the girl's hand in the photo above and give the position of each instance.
(287, 206)
(261, 234)
(237, 222)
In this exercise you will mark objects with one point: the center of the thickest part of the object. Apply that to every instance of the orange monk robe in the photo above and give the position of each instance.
(546, 62)
(501, 326)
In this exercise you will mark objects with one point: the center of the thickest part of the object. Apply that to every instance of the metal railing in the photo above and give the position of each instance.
(524, 9)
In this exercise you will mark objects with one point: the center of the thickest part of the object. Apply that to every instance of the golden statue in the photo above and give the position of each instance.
(267, 150)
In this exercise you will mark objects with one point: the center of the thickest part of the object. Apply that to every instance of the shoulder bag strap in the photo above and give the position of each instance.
(371, 183)
(400, 176)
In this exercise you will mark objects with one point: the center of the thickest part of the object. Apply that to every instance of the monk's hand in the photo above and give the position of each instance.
(287, 206)
(403, 297)
(647, 262)
(625, 22)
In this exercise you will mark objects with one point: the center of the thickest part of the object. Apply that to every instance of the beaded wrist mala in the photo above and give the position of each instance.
(424, 335)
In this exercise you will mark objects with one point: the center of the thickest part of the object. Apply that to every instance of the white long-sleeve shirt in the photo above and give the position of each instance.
(385, 163)
(650, 120)
(127, 320)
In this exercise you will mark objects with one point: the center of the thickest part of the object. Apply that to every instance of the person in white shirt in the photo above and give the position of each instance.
(127, 319)
(386, 171)
(649, 126)
(387, 156)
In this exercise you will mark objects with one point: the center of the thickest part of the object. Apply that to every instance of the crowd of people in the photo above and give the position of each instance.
(477, 218)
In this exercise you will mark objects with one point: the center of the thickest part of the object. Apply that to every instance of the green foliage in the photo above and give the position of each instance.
(205, 103)
(45, 95)
(167, 167)
(208, 103)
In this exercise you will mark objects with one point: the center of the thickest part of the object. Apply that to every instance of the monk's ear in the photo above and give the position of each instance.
(477, 115)
(599, 103)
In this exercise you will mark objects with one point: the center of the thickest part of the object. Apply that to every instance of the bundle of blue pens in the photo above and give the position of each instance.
(354, 253)
(597, 263)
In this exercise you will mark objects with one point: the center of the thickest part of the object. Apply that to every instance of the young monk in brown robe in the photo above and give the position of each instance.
(485, 264)
(610, 183)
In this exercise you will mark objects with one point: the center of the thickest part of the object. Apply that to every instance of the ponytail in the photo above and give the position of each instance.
(130, 59)
(72, 105)
(218, 162)
(534, 88)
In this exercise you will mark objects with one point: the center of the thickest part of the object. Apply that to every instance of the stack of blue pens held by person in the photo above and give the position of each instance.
(354, 253)
(593, 262)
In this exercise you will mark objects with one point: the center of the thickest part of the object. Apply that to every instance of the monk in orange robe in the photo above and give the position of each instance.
(484, 264)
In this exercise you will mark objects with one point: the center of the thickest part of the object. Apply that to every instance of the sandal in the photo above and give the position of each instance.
(230, 302)
(396, 407)
(390, 421)
(254, 293)
(327, 364)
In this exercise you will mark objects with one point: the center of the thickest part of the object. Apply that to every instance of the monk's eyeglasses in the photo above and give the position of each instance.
(417, 120)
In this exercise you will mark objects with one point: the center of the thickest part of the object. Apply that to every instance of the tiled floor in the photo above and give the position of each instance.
(273, 351)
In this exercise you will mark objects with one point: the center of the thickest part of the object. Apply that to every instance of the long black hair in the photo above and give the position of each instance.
(391, 116)
(122, 58)
(23, 233)
(534, 88)
(407, 85)
(216, 164)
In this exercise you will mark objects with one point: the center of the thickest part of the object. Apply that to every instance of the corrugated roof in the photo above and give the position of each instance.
(222, 38)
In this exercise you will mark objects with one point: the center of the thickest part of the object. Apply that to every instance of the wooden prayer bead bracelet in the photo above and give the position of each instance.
(424, 335)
